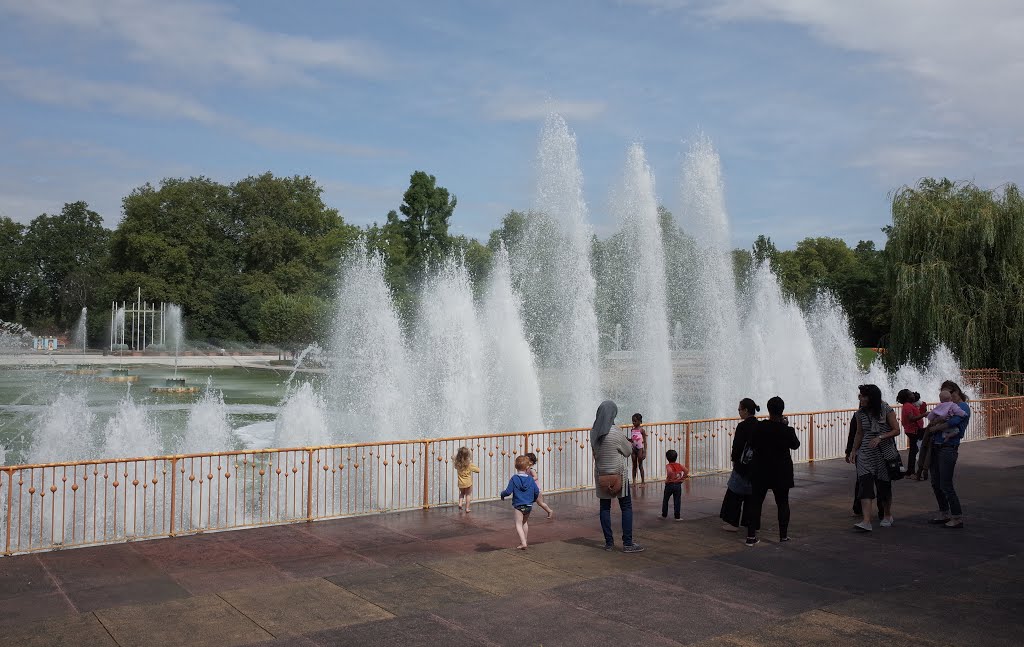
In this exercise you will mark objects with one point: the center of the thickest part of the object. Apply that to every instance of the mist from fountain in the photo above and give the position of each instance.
(302, 419)
(636, 204)
(554, 271)
(130, 432)
(63, 431)
(80, 337)
(371, 377)
(717, 318)
(513, 390)
(207, 428)
(175, 331)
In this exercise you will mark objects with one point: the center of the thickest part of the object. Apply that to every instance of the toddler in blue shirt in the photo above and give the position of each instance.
(524, 491)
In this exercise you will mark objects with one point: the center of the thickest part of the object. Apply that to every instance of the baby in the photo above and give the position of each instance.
(943, 412)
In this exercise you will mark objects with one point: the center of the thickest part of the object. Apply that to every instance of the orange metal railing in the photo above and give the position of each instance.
(61, 505)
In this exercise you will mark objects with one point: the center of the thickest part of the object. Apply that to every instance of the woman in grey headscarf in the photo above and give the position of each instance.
(612, 449)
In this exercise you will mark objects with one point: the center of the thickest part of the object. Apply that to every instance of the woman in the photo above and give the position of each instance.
(876, 432)
(912, 413)
(771, 469)
(611, 449)
(945, 450)
(739, 489)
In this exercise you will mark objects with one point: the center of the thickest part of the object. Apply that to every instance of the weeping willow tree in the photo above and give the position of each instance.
(956, 269)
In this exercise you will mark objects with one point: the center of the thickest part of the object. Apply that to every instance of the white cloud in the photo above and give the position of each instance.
(964, 56)
(202, 40)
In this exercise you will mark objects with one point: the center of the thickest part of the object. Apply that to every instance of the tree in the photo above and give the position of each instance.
(11, 268)
(427, 209)
(956, 273)
(292, 321)
(63, 263)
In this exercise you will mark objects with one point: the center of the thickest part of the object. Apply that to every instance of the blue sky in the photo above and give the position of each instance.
(819, 109)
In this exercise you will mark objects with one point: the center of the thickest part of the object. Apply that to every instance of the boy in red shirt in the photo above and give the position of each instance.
(674, 476)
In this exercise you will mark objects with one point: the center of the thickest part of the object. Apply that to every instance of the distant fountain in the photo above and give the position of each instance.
(554, 270)
(302, 419)
(63, 431)
(636, 205)
(370, 380)
(207, 428)
(717, 318)
(175, 332)
(80, 337)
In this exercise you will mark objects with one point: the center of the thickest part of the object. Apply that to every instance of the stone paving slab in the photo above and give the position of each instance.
(502, 573)
(411, 589)
(78, 629)
(203, 621)
(822, 628)
(303, 607)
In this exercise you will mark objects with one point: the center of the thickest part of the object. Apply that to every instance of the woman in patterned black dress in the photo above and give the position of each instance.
(877, 428)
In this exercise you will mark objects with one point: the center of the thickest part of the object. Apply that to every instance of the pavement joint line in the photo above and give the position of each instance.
(105, 627)
(244, 615)
(452, 577)
(465, 630)
(56, 583)
(365, 599)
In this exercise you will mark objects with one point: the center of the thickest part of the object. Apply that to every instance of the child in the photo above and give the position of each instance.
(533, 472)
(465, 468)
(674, 476)
(938, 415)
(638, 437)
(524, 491)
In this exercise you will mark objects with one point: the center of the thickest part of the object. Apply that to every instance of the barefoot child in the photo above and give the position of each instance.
(638, 437)
(464, 467)
(533, 472)
(675, 474)
(524, 491)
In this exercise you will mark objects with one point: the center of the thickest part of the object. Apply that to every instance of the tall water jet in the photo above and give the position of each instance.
(835, 353)
(555, 271)
(63, 431)
(717, 317)
(175, 332)
(450, 353)
(514, 401)
(302, 419)
(636, 206)
(779, 355)
(207, 428)
(80, 337)
(130, 432)
(370, 376)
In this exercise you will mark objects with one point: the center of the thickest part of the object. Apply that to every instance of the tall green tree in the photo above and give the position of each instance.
(956, 271)
(426, 208)
(11, 269)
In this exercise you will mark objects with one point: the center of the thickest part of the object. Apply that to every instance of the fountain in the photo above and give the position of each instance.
(174, 335)
(79, 338)
(207, 428)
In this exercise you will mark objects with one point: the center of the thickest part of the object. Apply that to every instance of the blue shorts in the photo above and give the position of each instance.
(526, 508)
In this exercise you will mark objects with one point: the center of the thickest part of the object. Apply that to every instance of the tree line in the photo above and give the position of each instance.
(256, 261)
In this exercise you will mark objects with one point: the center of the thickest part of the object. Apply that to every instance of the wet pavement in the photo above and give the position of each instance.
(442, 577)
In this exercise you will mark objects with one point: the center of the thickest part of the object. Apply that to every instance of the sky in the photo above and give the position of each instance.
(819, 109)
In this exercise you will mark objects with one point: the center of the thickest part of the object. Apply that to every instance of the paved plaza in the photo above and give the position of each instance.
(440, 577)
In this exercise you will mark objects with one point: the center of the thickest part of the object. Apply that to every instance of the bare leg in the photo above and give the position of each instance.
(521, 528)
(865, 506)
(467, 501)
(544, 506)
(640, 463)
(633, 457)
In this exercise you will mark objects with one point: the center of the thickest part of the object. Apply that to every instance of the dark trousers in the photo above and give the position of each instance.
(912, 452)
(943, 466)
(735, 508)
(626, 506)
(672, 491)
(757, 501)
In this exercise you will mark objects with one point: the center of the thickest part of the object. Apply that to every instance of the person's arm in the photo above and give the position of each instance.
(508, 489)
(643, 453)
(894, 430)
(850, 436)
(625, 447)
(857, 438)
(474, 468)
(737, 445)
(794, 441)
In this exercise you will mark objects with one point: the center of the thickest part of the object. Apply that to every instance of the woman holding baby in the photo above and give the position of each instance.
(946, 431)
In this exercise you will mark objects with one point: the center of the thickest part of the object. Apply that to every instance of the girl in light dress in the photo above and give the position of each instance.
(465, 468)
(533, 472)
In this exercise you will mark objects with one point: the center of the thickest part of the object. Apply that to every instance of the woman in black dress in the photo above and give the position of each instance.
(772, 468)
(738, 491)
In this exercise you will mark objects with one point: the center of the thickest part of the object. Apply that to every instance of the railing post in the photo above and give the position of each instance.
(309, 484)
(174, 498)
(810, 440)
(10, 507)
(688, 434)
(526, 443)
(426, 472)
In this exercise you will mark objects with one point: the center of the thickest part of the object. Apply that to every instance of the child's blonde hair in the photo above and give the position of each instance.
(462, 458)
(522, 463)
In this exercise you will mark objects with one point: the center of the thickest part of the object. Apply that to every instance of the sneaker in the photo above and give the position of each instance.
(953, 524)
(783, 539)
(863, 527)
(939, 521)
(728, 527)
(887, 523)
(609, 546)
(633, 548)
(752, 541)
(679, 518)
